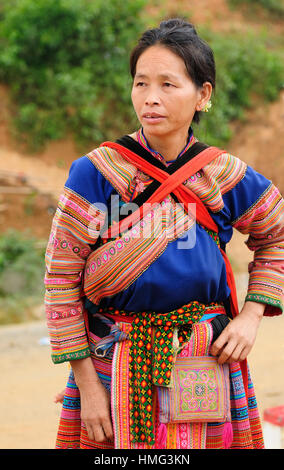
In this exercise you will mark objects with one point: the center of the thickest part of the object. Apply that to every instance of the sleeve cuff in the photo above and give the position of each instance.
(68, 339)
(70, 356)
(273, 306)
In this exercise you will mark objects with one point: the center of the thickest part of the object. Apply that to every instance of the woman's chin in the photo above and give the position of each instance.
(155, 129)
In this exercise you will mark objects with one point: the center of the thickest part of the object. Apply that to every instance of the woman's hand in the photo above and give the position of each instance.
(95, 401)
(237, 339)
(95, 412)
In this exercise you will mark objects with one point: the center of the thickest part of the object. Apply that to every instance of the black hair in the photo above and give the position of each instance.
(181, 38)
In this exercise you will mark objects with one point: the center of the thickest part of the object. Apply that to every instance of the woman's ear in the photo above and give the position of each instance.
(205, 93)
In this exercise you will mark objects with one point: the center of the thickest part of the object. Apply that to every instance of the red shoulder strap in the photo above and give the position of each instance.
(187, 170)
(169, 183)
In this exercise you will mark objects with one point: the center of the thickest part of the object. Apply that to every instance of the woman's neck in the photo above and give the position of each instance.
(169, 147)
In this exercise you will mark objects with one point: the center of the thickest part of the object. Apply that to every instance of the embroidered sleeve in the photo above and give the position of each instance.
(258, 210)
(76, 225)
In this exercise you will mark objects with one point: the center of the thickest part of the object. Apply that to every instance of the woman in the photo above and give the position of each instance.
(124, 293)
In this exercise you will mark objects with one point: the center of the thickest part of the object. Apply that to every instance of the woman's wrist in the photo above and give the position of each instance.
(85, 373)
(256, 309)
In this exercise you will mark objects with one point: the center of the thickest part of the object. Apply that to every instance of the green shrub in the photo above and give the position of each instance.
(275, 7)
(66, 62)
(246, 67)
(22, 270)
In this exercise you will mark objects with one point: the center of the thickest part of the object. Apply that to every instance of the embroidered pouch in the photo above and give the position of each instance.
(200, 392)
(200, 387)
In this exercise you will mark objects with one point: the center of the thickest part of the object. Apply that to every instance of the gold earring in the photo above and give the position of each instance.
(207, 107)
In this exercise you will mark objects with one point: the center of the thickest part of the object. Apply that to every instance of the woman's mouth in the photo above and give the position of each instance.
(153, 118)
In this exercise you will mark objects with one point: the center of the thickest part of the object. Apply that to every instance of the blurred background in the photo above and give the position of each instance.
(64, 88)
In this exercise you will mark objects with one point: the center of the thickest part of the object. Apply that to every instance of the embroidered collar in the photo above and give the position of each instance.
(143, 141)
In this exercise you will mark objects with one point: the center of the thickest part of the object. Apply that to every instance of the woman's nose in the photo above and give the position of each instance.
(152, 98)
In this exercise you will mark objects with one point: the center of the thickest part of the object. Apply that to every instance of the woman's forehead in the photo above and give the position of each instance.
(161, 61)
(164, 76)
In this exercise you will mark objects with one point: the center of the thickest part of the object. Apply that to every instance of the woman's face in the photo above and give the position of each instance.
(163, 95)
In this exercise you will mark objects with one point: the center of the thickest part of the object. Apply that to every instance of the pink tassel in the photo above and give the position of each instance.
(162, 437)
(227, 435)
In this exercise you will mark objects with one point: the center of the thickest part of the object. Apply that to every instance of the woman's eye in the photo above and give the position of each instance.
(140, 83)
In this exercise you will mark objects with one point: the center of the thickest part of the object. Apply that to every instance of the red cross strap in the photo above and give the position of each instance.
(169, 183)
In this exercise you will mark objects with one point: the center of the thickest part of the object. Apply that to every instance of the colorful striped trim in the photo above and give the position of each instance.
(116, 265)
(75, 225)
(269, 199)
(265, 300)
(215, 179)
(263, 221)
(119, 394)
(68, 338)
(59, 358)
(118, 171)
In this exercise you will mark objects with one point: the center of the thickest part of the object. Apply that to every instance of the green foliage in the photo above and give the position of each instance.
(66, 62)
(246, 67)
(22, 270)
(276, 7)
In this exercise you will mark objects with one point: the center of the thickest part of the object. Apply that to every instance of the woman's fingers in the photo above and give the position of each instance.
(99, 428)
(225, 354)
(229, 348)
(90, 432)
(100, 432)
(232, 351)
(236, 340)
(220, 343)
(95, 432)
(236, 354)
(244, 353)
(108, 431)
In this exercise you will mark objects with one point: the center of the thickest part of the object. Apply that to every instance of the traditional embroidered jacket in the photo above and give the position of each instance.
(155, 273)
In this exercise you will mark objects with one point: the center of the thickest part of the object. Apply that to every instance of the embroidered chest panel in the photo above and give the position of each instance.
(209, 184)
